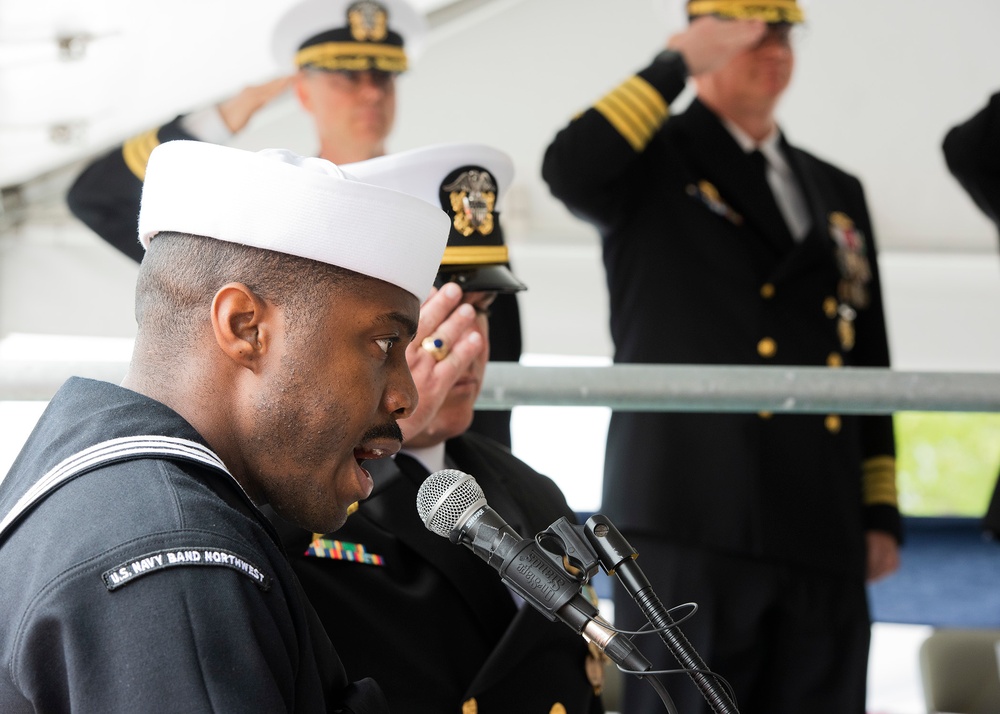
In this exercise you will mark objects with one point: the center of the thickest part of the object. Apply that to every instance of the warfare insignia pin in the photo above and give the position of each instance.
(473, 195)
(709, 195)
(368, 21)
(341, 550)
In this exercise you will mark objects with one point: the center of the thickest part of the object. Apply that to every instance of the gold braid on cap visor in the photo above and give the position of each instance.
(771, 12)
(352, 56)
(474, 255)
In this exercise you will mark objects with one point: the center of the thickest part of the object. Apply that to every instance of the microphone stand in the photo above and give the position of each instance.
(580, 560)
(618, 557)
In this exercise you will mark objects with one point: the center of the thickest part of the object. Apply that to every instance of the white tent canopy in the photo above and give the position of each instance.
(877, 85)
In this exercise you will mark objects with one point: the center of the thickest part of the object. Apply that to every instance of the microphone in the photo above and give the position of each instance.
(451, 503)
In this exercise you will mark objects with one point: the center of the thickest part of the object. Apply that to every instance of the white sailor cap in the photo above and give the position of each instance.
(308, 207)
(467, 181)
(349, 35)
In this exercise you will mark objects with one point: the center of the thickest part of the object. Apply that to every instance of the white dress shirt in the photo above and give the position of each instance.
(787, 192)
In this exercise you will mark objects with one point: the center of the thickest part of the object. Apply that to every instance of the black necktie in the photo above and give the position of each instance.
(759, 163)
(772, 214)
(495, 605)
(412, 468)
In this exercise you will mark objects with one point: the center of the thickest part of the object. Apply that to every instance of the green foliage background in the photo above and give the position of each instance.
(947, 462)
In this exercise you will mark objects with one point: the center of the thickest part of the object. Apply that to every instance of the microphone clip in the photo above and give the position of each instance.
(569, 544)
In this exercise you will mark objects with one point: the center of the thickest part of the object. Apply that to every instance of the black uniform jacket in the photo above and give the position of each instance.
(107, 193)
(701, 270)
(428, 619)
(151, 585)
(972, 151)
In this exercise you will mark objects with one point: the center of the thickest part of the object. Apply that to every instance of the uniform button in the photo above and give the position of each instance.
(557, 708)
(765, 415)
(832, 424)
(834, 360)
(767, 291)
(767, 347)
(830, 307)
(469, 706)
(593, 666)
(845, 331)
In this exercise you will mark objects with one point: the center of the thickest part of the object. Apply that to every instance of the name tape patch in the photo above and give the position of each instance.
(174, 557)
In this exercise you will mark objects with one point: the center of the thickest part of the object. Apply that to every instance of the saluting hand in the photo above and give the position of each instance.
(236, 111)
(710, 42)
(445, 317)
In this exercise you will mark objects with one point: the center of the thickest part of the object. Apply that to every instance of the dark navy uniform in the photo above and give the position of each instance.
(701, 269)
(441, 632)
(152, 584)
(972, 151)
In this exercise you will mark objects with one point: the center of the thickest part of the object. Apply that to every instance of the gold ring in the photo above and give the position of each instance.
(435, 345)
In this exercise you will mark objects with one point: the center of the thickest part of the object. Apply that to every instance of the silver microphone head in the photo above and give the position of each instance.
(446, 499)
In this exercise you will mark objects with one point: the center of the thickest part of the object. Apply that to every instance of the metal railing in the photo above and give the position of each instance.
(849, 390)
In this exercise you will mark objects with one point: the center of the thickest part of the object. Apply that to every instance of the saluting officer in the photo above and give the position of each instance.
(428, 619)
(345, 57)
(725, 244)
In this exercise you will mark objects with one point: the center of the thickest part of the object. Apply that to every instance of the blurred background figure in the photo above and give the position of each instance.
(725, 244)
(430, 620)
(345, 56)
(972, 152)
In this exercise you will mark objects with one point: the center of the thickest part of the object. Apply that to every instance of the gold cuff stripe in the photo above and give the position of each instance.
(649, 97)
(620, 124)
(635, 109)
(879, 481)
(353, 56)
(136, 151)
(627, 111)
(474, 255)
(638, 111)
(772, 11)
(624, 120)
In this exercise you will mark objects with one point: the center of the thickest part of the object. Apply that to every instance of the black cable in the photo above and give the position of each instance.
(658, 687)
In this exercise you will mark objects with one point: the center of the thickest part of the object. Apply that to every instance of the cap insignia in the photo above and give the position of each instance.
(368, 21)
(473, 195)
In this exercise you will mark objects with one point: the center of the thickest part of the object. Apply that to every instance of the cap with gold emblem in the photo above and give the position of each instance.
(465, 180)
(352, 35)
(770, 11)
